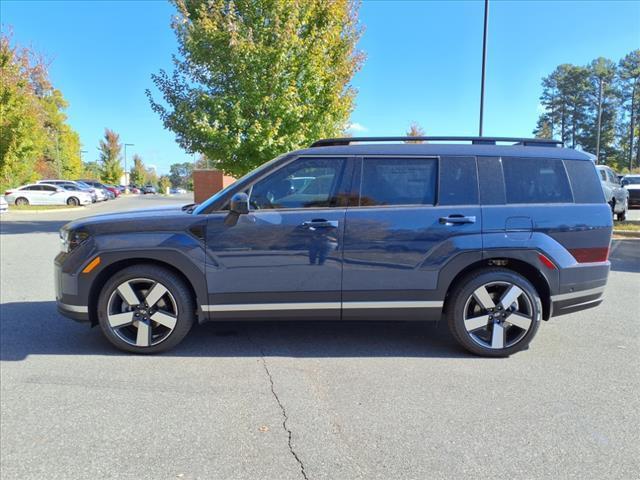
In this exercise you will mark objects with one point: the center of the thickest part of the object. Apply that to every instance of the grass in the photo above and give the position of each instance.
(629, 225)
(23, 208)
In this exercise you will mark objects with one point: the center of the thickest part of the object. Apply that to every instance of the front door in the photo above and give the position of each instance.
(414, 215)
(282, 259)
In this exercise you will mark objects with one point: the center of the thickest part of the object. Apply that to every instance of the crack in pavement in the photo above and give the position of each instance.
(284, 417)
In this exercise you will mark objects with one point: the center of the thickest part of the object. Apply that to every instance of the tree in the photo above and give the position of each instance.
(22, 133)
(90, 170)
(138, 172)
(180, 174)
(629, 72)
(151, 176)
(599, 128)
(164, 183)
(35, 138)
(415, 130)
(255, 79)
(544, 127)
(110, 148)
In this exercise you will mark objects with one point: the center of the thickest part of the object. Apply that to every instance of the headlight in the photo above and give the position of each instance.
(70, 239)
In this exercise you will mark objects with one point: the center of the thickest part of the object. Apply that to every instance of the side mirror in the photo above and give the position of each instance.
(624, 183)
(239, 203)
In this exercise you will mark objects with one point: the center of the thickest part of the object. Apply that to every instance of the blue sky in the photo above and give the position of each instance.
(423, 62)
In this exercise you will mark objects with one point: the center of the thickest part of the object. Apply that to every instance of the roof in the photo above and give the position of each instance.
(437, 149)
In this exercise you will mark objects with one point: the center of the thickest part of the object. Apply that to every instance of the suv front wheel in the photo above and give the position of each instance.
(494, 312)
(145, 309)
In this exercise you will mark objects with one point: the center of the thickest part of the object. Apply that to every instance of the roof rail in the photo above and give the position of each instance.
(527, 142)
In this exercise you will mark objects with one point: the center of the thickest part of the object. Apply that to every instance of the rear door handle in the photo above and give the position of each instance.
(321, 223)
(457, 220)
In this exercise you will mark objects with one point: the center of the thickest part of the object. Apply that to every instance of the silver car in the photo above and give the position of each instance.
(66, 184)
(47, 194)
(614, 193)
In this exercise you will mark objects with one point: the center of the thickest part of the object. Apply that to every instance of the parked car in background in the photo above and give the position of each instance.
(631, 184)
(47, 194)
(495, 238)
(110, 191)
(101, 194)
(113, 189)
(149, 189)
(4, 206)
(66, 184)
(616, 196)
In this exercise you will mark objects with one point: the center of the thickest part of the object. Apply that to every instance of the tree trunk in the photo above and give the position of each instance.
(632, 126)
(600, 88)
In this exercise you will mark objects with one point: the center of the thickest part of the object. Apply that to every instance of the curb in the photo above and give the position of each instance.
(627, 233)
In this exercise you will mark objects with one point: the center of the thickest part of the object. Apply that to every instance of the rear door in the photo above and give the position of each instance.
(412, 216)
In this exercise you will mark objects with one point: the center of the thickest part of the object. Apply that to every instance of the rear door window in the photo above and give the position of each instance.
(458, 181)
(536, 180)
(584, 181)
(398, 181)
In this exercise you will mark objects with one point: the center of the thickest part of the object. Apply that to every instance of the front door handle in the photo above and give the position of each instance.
(457, 220)
(320, 223)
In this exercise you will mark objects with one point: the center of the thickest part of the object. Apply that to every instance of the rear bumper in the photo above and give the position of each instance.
(581, 287)
(565, 303)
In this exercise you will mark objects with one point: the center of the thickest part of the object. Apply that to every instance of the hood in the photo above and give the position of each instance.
(153, 219)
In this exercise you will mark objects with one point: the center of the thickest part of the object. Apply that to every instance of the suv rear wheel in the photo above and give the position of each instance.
(494, 312)
(145, 309)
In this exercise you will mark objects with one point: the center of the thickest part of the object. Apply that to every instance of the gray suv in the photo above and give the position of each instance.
(492, 237)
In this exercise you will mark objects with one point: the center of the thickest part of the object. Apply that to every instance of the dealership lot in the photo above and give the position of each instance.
(310, 400)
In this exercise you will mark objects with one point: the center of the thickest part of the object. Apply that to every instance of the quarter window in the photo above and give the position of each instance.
(398, 181)
(536, 180)
(304, 183)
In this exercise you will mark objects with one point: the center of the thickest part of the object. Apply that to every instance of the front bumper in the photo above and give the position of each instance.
(69, 299)
(79, 313)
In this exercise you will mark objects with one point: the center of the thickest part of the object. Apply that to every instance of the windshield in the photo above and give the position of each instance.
(632, 180)
(204, 205)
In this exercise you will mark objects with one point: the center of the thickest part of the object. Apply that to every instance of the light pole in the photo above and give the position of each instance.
(126, 175)
(484, 62)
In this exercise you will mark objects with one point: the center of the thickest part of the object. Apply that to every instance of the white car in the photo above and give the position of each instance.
(46, 194)
(631, 183)
(71, 185)
(4, 206)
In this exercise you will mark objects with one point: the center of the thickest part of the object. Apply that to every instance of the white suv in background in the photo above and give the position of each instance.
(631, 184)
(614, 193)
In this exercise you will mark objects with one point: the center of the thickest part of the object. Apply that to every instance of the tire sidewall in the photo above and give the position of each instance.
(21, 201)
(73, 201)
(455, 311)
(184, 302)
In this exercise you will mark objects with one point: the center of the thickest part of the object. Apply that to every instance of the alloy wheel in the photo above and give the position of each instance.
(498, 315)
(142, 312)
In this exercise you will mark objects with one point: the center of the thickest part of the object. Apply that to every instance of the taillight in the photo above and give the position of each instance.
(592, 254)
(8, 192)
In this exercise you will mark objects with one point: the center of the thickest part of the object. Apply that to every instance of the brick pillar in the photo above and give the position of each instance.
(206, 182)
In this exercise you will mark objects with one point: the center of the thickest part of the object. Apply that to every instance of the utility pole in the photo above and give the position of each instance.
(484, 63)
(126, 173)
(599, 120)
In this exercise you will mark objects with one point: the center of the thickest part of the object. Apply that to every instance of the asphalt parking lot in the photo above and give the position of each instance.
(282, 400)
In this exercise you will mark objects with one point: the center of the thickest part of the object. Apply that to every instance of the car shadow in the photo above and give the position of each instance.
(625, 256)
(36, 328)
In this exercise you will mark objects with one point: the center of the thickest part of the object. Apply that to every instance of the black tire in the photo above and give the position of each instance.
(176, 287)
(73, 201)
(463, 297)
(21, 201)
